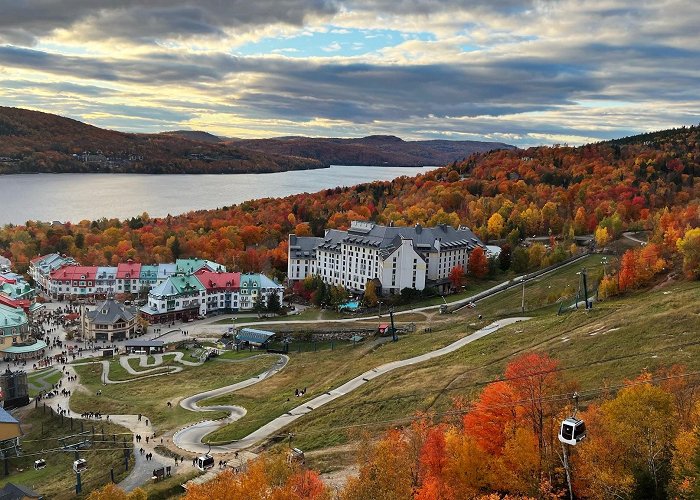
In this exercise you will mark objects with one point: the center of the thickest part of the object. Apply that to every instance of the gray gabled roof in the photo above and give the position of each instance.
(109, 312)
(303, 247)
(385, 238)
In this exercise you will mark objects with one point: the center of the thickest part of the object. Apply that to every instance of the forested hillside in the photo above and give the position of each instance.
(384, 150)
(563, 191)
(31, 141)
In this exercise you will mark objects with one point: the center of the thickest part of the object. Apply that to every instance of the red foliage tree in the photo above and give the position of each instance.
(478, 264)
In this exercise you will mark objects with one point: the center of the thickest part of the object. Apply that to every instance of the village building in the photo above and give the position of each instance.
(40, 268)
(164, 272)
(128, 277)
(258, 285)
(105, 281)
(148, 277)
(15, 342)
(14, 326)
(396, 257)
(14, 286)
(193, 265)
(108, 322)
(73, 281)
(253, 337)
(63, 282)
(180, 297)
(222, 290)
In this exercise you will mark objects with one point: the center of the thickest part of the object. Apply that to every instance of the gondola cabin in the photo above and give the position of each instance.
(39, 464)
(80, 465)
(572, 431)
(205, 462)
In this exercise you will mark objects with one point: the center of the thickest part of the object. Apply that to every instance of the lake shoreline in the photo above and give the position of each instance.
(72, 197)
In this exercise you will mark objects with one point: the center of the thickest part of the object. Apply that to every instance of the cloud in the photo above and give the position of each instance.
(530, 70)
(333, 47)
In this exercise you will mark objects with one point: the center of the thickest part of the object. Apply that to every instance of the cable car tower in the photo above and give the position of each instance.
(75, 443)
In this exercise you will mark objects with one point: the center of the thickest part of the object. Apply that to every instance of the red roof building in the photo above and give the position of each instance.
(128, 270)
(75, 274)
(78, 281)
(213, 281)
(128, 274)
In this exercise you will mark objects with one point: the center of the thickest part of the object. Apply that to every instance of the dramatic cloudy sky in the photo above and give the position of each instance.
(520, 71)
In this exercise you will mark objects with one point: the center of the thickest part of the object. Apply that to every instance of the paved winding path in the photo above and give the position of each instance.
(190, 438)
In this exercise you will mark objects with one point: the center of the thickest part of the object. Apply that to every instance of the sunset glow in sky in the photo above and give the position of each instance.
(516, 71)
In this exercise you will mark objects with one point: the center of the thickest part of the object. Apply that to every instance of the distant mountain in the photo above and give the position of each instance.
(372, 150)
(31, 141)
(195, 135)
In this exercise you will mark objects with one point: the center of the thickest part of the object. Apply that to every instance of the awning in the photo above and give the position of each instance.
(23, 349)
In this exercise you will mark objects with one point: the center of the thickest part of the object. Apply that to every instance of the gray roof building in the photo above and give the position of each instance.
(371, 251)
(110, 312)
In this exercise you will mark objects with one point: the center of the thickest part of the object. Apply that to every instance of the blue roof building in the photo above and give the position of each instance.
(254, 337)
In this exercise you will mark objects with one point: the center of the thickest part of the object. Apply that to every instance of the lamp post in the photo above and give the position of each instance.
(380, 308)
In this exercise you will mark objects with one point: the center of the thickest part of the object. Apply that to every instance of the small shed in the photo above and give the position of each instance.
(145, 346)
(254, 337)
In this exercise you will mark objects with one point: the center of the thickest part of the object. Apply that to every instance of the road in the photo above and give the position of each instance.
(190, 438)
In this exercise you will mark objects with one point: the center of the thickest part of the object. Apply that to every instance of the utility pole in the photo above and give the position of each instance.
(522, 303)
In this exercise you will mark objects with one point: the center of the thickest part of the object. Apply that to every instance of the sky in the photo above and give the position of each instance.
(524, 72)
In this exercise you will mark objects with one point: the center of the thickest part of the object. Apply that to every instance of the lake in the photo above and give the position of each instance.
(74, 197)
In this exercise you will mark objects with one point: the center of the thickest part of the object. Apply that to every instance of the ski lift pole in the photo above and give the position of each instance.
(78, 484)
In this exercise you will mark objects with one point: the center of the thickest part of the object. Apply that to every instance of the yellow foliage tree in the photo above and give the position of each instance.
(689, 247)
(495, 225)
(113, 492)
(607, 287)
(602, 237)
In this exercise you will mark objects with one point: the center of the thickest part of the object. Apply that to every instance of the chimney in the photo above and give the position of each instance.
(418, 228)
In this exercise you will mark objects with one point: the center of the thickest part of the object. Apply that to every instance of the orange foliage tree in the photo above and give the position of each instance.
(269, 477)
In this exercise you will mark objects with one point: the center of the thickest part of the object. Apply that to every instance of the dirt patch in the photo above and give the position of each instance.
(337, 479)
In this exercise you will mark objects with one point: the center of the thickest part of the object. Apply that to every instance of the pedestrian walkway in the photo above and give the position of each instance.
(190, 438)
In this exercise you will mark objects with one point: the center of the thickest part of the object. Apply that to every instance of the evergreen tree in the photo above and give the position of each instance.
(273, 303)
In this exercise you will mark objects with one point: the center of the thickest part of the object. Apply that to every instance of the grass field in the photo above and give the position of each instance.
(57, 480)
(116, 371)
(544, 291)
(42, 380)
(319, 372)
(614, 341)
(150, 396)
